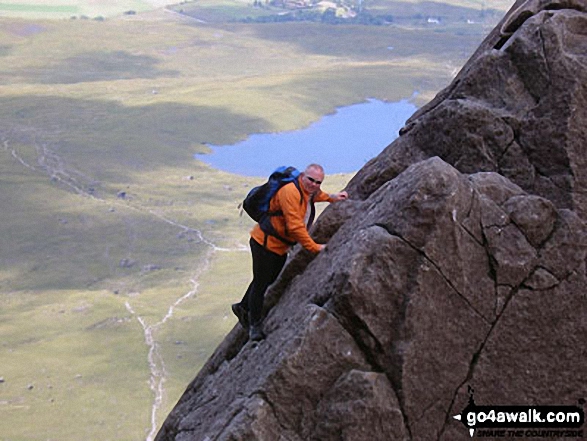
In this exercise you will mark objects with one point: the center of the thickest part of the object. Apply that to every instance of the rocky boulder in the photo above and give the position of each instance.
(517, 108)
(458, 264)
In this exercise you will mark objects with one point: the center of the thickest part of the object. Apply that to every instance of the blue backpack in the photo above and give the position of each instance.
(256, 204)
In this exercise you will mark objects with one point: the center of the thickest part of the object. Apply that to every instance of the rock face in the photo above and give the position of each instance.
(459, 263)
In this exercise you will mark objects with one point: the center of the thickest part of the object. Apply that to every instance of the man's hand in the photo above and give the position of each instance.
(342, 196)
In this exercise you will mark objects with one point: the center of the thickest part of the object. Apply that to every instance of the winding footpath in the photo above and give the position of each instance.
(155, 359)
(50, 164)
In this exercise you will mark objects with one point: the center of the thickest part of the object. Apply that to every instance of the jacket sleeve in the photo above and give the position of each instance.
(294, 213)
(323, 197)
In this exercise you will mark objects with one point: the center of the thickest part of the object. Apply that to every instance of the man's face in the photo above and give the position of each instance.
(311, 180)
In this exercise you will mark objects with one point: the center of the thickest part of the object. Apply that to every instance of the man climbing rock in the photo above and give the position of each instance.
(292, 214)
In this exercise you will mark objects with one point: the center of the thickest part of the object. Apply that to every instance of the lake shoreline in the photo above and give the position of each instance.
(342, 141)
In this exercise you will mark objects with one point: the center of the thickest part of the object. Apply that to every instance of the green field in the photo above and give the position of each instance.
(36, 8)
(119, 253)
(68, 9)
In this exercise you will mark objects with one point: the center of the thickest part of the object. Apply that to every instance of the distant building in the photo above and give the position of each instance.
(342, 11)
(326, 5)
(292, 4)
(433, 20)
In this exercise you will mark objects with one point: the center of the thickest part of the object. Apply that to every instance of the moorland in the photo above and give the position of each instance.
(119, 252)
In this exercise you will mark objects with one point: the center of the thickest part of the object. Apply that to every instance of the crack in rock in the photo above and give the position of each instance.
(438, 269)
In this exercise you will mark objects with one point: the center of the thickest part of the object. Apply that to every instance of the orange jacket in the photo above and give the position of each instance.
(291, 225)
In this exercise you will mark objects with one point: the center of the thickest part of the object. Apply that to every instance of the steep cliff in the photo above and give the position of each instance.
(459, 263)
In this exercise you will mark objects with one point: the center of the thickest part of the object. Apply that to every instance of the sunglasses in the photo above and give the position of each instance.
(315, 181)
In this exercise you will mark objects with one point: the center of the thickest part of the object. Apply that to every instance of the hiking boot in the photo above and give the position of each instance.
(256, 332)
(242, 315)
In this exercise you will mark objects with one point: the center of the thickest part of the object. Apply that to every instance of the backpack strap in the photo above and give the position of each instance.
(280, 212)
(312, 213)
(268, 229)
(297, 184)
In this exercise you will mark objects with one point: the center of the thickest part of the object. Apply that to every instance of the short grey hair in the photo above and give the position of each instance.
(316, 167)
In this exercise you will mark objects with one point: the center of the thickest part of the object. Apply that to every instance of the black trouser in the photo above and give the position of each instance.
(266, 267)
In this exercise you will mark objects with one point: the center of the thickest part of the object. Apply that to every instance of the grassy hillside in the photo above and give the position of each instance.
(119, 253)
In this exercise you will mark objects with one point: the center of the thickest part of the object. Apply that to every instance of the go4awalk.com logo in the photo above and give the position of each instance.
(523, 421)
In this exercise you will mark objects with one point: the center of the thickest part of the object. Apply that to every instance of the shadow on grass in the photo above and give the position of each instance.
(101, 66)
(5, 50)
(372, 42)
(53, 239)
(105, 140)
